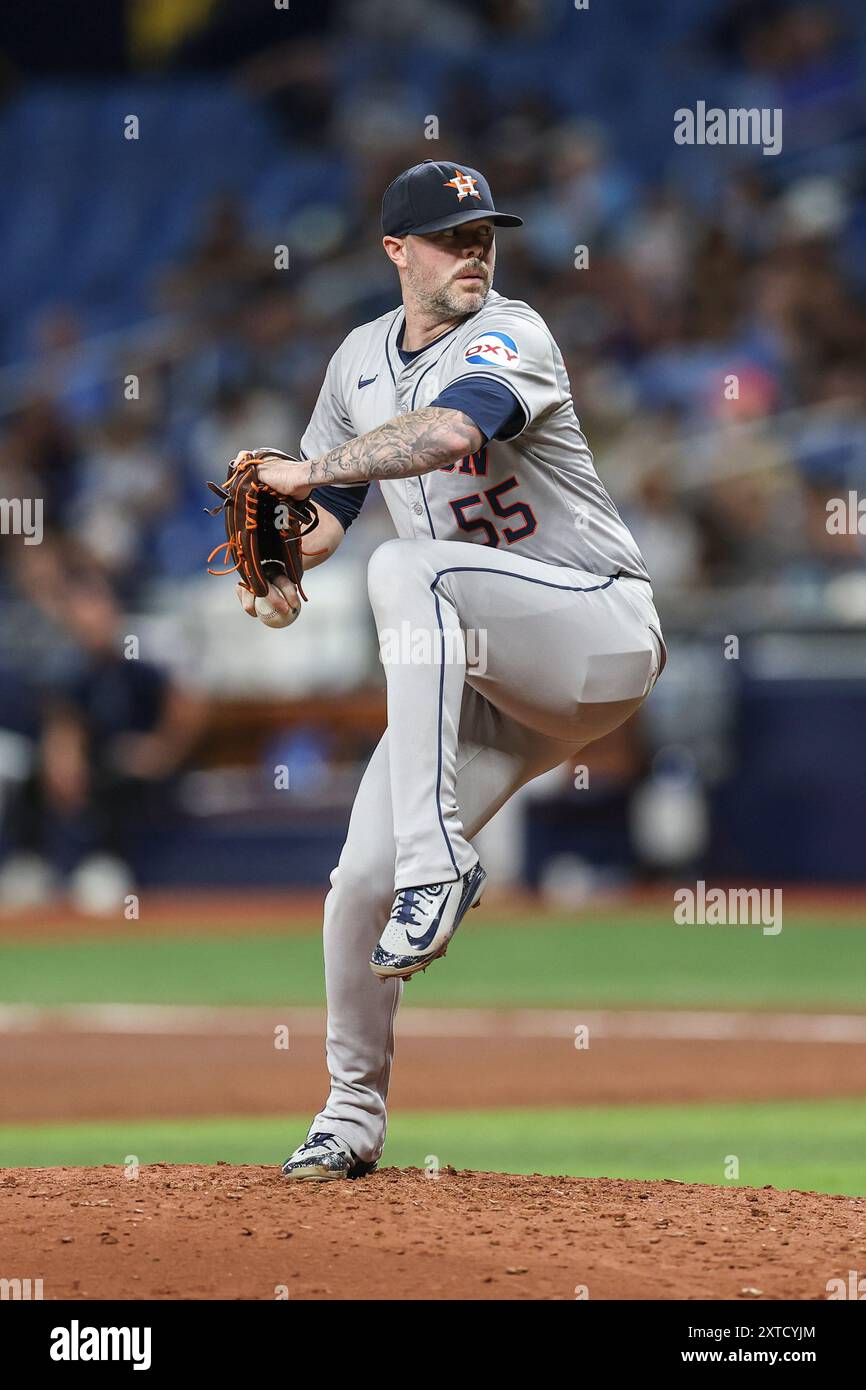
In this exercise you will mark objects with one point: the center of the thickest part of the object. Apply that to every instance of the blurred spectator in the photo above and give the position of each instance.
(586, 194)
(237, 416)
(40, 455)
(124, 486)
(114, 731)
(222, 268)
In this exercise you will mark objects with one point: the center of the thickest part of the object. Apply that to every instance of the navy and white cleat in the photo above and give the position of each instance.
(323, 1158)
(422, 923)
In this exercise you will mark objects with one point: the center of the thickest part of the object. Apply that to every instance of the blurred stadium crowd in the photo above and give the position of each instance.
(713, 327)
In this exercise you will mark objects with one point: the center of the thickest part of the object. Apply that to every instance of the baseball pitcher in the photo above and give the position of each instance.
(508, 546)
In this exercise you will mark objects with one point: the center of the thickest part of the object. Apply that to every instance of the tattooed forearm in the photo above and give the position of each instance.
(402, 448)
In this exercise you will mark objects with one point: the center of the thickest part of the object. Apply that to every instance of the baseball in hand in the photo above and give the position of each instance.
(271, 616)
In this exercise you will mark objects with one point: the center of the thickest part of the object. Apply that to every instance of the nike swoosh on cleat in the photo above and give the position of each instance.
(423, 941)
(366, 381)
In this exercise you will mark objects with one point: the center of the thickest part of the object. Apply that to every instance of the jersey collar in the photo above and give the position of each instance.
(394, 337)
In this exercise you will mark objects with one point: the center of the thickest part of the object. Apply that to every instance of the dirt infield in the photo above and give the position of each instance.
(166, 1062)
(244, 1232)
(200, 912)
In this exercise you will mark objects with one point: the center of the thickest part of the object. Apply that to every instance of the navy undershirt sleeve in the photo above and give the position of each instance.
(490, 404)
(342, 502)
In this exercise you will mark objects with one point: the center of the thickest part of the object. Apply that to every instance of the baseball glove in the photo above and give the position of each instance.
(264, 529)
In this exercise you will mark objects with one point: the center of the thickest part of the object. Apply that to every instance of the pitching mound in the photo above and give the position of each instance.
(232, 1232)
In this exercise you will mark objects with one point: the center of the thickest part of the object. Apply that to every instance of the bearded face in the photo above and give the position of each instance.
(449, 274)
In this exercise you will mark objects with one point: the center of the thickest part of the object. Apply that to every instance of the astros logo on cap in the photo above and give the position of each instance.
(465, 185)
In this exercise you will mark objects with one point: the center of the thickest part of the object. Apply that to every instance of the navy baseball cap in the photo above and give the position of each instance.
(437, 194)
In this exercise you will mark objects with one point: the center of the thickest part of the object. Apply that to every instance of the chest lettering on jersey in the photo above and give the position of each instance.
(473, 464)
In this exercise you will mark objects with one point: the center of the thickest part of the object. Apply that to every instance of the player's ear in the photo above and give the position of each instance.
(395, 250)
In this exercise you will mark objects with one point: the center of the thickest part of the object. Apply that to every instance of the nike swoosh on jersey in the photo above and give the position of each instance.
(366, 381)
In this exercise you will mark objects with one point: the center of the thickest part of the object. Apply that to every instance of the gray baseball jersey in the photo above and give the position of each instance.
(537, 493)
(569, 646)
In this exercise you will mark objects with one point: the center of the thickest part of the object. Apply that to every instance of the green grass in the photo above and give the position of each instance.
(633, 959)
(810, 1145)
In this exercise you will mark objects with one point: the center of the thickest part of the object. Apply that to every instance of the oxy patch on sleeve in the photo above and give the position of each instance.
(493, 349)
